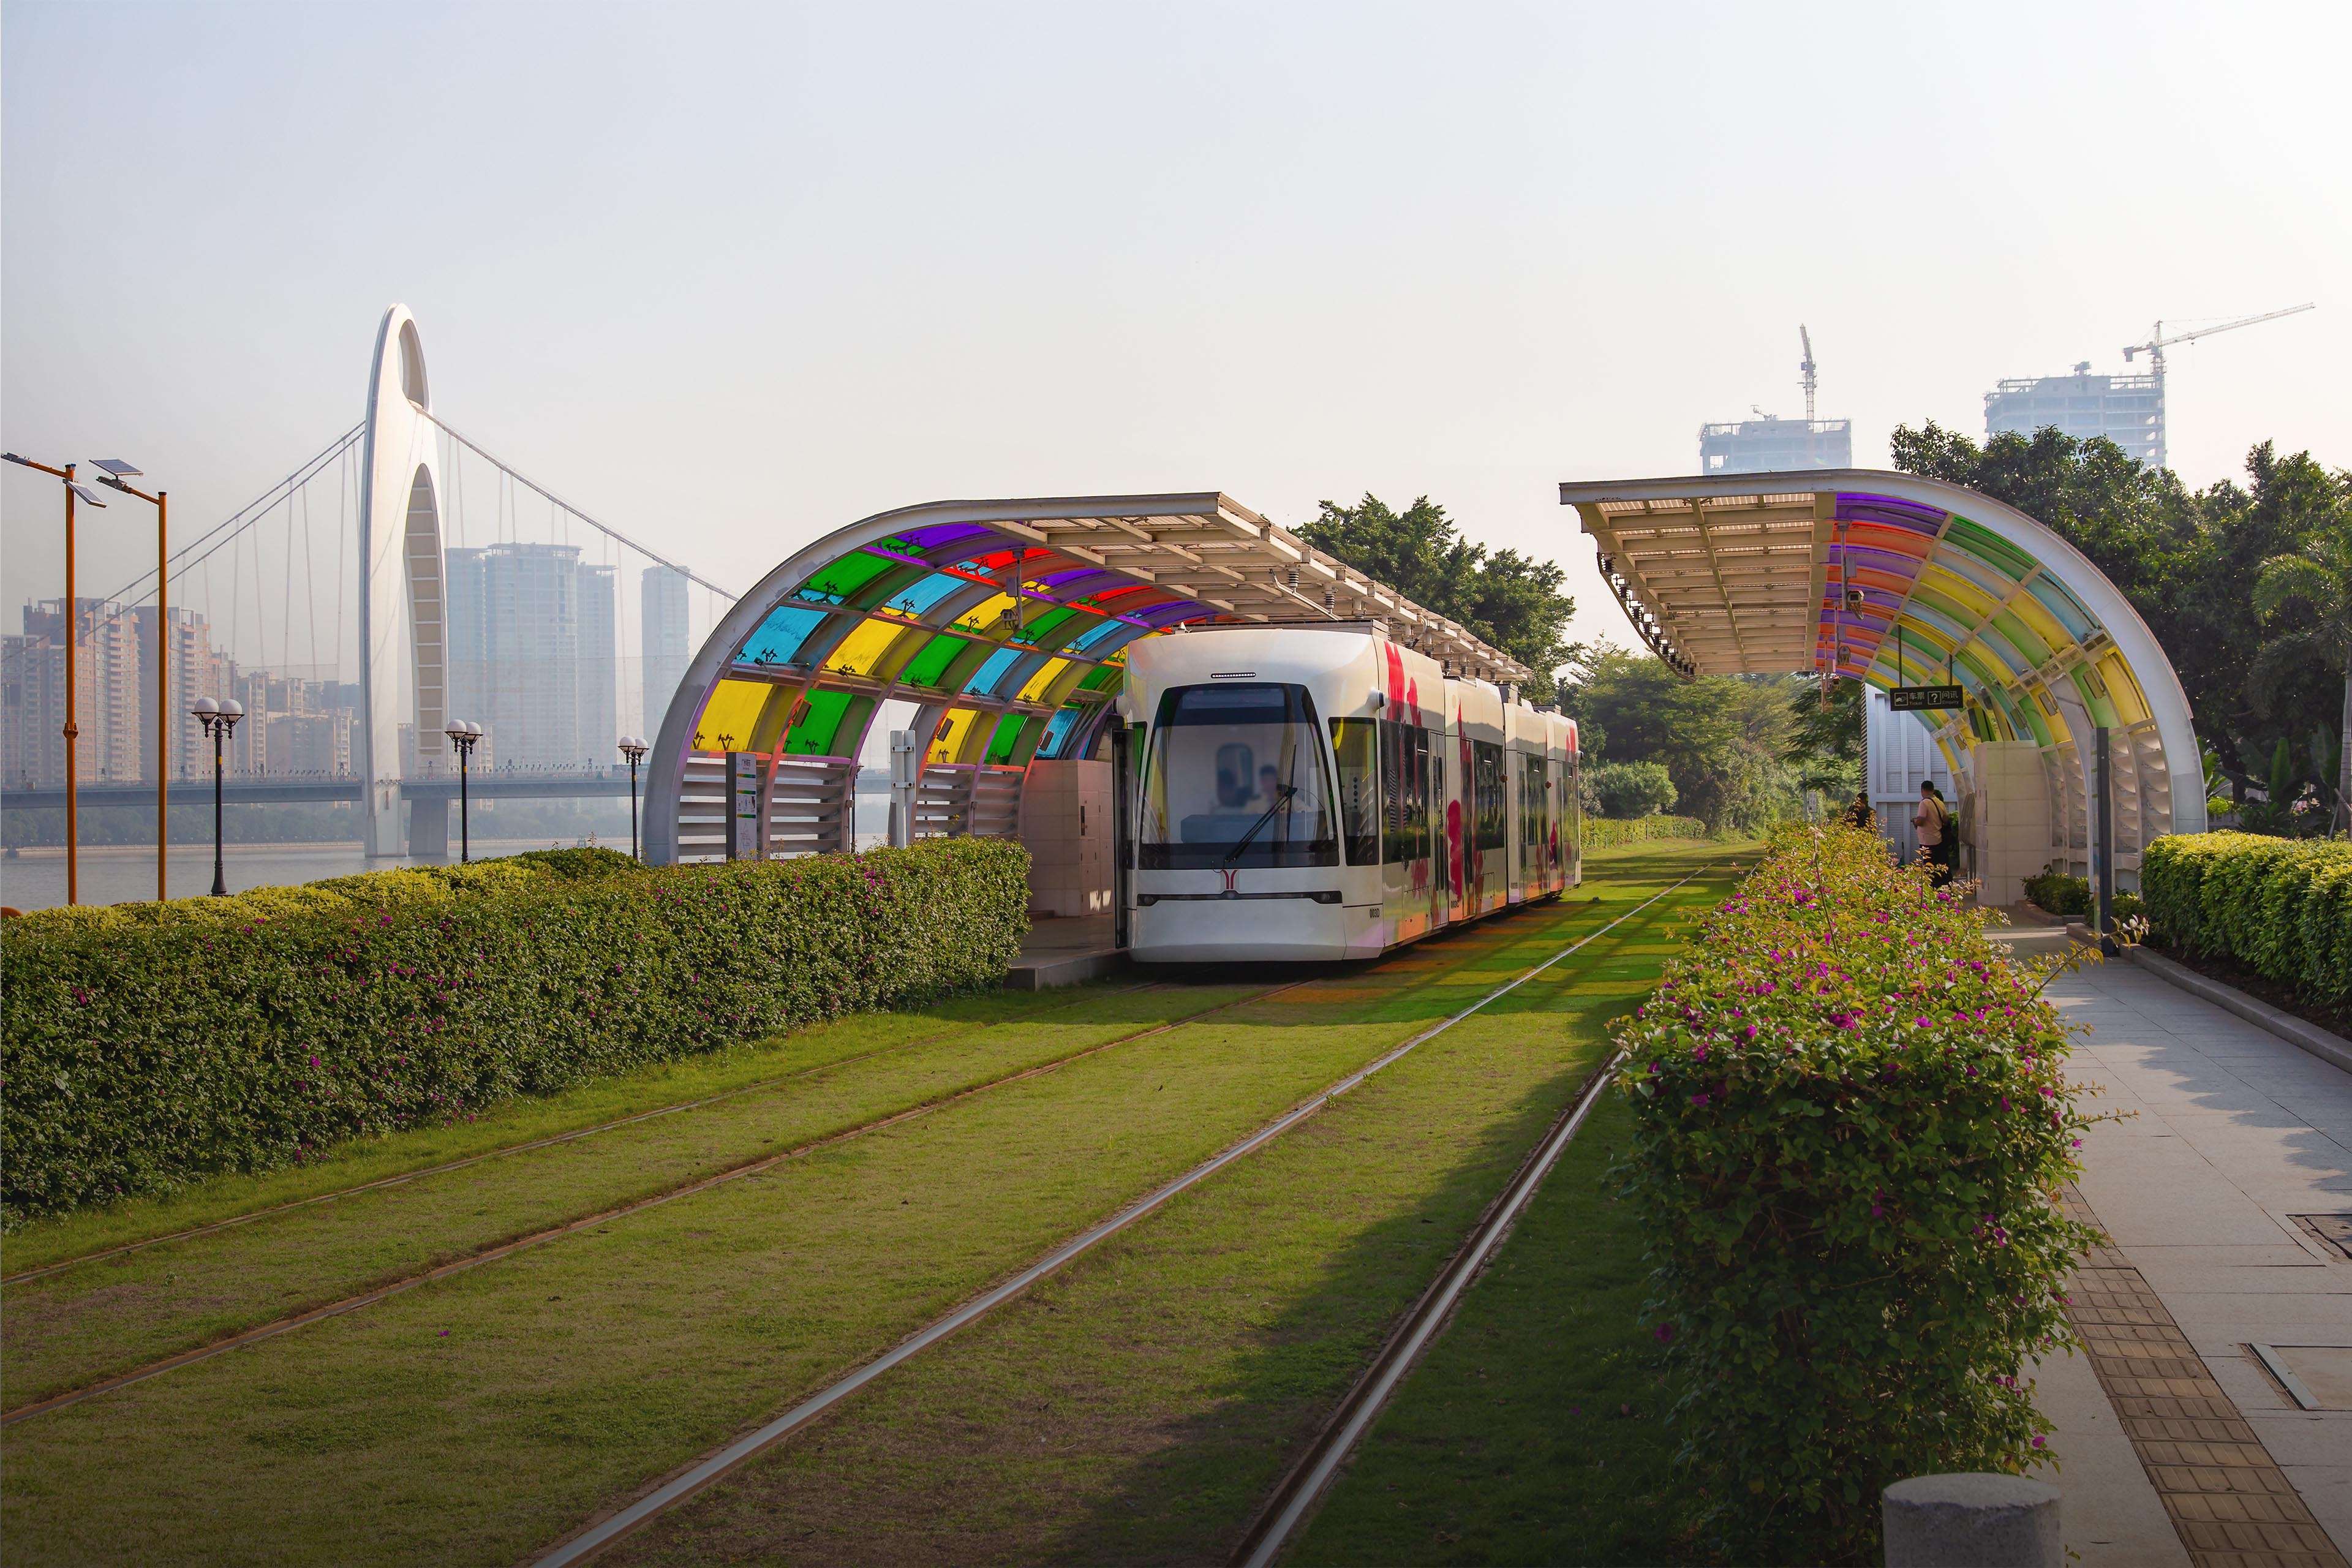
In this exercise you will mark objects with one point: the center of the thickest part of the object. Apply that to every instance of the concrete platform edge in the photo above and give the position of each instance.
(1044, 974)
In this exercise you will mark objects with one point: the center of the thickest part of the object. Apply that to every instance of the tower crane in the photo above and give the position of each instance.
(2158, 342)
(1810, 383)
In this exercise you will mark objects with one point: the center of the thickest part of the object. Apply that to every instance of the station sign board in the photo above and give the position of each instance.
(1925, 699)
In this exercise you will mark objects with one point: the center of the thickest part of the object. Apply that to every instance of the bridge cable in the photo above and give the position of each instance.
(517, 477)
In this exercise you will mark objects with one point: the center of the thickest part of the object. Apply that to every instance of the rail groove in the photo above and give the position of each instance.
(600, 1534)
(61, 1265)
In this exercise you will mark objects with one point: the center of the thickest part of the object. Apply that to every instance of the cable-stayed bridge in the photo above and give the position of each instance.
(413, 608)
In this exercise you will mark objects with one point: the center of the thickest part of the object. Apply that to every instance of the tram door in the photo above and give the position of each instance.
(1407, 876)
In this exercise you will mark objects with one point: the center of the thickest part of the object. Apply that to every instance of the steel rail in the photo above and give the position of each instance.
(556, 1233)
(1297, 1492)
(596, 1537)
(63, 1263)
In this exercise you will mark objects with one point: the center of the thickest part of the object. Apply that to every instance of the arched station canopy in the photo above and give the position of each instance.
(1006, 622)
(1742, 574)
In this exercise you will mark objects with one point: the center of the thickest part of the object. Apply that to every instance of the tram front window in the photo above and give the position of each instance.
(1236, 776)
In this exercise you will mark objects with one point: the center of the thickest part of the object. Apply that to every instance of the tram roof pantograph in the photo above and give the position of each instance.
(1894, 580)
(1006, 624)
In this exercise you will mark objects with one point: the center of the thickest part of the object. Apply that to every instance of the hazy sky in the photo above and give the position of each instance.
(733, 275)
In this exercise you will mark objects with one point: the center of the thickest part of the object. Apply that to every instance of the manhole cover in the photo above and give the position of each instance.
(2329, 1229)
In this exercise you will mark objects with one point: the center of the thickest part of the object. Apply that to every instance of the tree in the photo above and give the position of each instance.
(1509, 600)
(2317, 577)
(1723, 739)
(2187, 562)
(1827, 746)
(1626, 790)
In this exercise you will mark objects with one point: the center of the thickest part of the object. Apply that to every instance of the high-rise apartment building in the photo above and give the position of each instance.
(2127, 409)
(532, 646)
(106, 676)
(1767, 445)
(666, 644)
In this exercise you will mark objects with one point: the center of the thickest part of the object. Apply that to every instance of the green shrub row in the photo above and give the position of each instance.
(1608, 832)
(146, 1046)
(2282, 907)
(1851, 1128)
(2056, 893)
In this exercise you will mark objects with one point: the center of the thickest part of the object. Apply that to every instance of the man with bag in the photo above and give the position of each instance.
(1935, 824)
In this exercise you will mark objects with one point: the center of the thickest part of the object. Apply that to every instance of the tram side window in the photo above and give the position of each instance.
(1531, 810)
(1352, 743)
(1486, 792)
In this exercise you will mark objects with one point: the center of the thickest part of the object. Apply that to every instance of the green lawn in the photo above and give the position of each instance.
(478, 1418)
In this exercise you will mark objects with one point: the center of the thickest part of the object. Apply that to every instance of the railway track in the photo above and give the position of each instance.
(599, 1534)
(61, 1265)
(1286, 1507)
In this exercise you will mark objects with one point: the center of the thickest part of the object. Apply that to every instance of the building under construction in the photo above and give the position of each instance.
(2127, 409)
(1765, 444)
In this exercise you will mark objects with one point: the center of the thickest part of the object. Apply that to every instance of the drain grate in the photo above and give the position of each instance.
(2328, 1229)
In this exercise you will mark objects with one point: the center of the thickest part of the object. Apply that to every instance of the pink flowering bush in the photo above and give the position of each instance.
(1851, 1127)
(146, 1050)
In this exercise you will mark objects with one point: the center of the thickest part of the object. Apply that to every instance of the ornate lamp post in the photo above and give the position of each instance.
(218, 719)
(465, 736)
(74, 492)
(634, 749)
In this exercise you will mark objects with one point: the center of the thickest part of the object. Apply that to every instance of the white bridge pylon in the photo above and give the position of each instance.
(403, 642)
(401, 584)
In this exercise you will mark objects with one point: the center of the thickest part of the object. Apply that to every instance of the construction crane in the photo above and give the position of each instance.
(2158, 342)
(1810, 383)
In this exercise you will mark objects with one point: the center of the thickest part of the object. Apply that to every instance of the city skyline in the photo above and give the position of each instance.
(748, 393)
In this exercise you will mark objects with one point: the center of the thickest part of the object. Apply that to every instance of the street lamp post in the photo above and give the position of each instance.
(218, 719)
(115, 471)
(74, 492)
(635, 749)
(464, 736)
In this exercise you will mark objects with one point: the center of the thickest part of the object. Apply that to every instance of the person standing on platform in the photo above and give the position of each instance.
(1934, 826)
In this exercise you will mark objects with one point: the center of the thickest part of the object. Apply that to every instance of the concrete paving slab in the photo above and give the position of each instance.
(2237, 1131)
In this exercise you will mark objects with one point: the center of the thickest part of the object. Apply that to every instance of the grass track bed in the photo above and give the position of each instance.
(1136, 1407)
(572, 1374)
(1533, 1430)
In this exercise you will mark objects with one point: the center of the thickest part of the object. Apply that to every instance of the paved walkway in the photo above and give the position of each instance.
(2235, 1133)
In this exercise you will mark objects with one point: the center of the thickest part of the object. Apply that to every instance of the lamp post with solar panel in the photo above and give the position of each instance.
(75, 490)
(113, 472)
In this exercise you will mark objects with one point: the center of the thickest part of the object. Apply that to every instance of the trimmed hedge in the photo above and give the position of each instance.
(2283, 907)
(146, 1046)
(1850, 1130)
(1608, 832)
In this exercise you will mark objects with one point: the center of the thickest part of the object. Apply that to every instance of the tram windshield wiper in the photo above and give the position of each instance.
(1281, 803)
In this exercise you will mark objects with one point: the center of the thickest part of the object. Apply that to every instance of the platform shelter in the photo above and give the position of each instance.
(1902, 581)
(1001, 627)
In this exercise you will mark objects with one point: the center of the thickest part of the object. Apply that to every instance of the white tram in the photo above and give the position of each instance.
(1318, 791)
